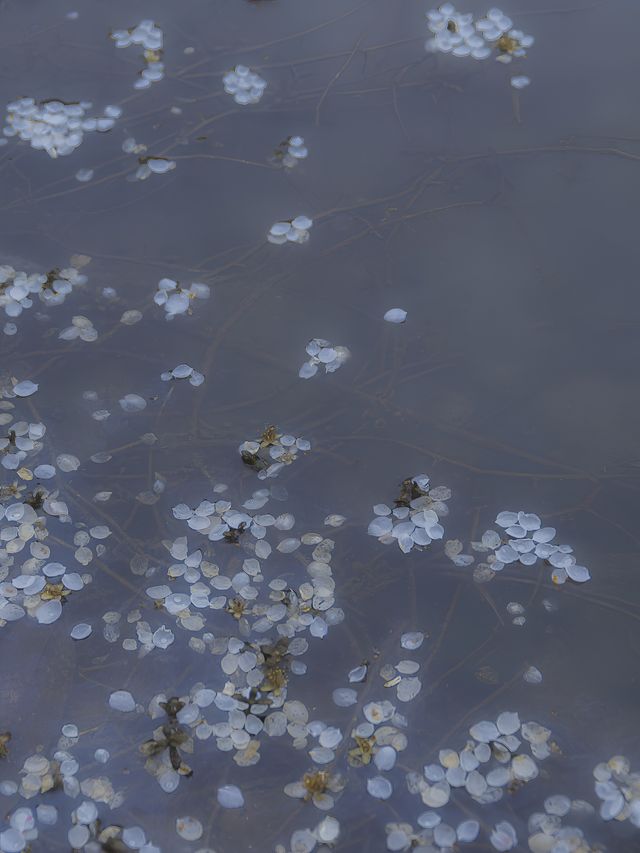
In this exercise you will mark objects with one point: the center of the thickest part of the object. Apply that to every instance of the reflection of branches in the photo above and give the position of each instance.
(355, 419)
(445, 626)
(272, 42)
(404, 218)
(306, 60)
(607, 602)
(436, 682)
(227, 159)
(607, 151)
(335, 77)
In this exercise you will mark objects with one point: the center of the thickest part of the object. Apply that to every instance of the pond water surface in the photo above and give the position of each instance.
(502, 220)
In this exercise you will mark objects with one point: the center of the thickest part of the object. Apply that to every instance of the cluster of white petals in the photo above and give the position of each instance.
(245, 85)
(455, 33)
(147, 164)
(39, 775)
(290, 231)
(492, 35)
(53, 126)
(323, 353)
(497, 756)
(183, 371)
(130, 146)
(22, 438)
(270, 454)
(523, 541)
(438, 835)
(17, 288)
(292, 151)
(146, 34)
(81, 327)
(272, 614)
(618, 789)
(497, 28)
(32, 581)
(176, 299)
(325, 834)
(414, 520)
(528, 541)
(149, 36)
(42, 592)
(153, 166)
(547, 834)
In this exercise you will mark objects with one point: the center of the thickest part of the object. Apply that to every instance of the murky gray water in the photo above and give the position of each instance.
(502, 221)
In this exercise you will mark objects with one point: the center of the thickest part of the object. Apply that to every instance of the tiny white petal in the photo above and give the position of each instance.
(395, 315)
